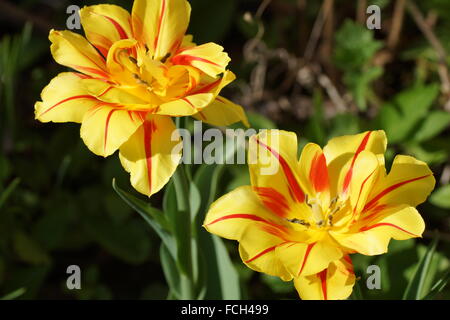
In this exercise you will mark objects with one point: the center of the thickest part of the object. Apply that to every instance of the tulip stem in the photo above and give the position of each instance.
(184, 221)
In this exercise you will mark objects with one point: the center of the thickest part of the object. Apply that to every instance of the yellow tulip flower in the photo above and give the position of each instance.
(133, 74)
(302, 221)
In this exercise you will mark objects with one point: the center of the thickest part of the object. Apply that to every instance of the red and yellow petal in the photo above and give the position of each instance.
(152, 154)
(106, 127)
(273, 163)
(185, 106)
(160, 25)
(365, 172)
(234, 213)
(222, 112)
(334, 283)
(64, 99)
(105, 24)
(372, 233)
(314, 173)
(409, 181)
(111, 93)
(74, 51)
(239, 215)
(302, 259)
(342, 152)
(209, 58)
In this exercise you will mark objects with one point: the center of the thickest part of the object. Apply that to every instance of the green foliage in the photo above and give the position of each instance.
(441, 197)
(355, 49)
(400, 117)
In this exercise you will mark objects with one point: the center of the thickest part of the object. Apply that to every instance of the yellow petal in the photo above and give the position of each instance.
(110, 93)
(273, 165)
(334, 283)
(239, 215)
(222, 112)
(208, 58)
(151, 155)
(258, 252)
(214, 84)
(410, 181)
(365, 172)
(120, 64)
(64, 99)
(314, 171)
(160, 24)
(372, 233)
(105, 24)
(106, 127)
(303, 259)
(74, 51)
(342, 152)
(186, 106)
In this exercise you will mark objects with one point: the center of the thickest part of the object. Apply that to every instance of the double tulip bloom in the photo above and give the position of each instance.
(133, 74)
(303, 220)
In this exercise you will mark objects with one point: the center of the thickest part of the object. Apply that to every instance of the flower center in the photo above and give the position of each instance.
(321, 214)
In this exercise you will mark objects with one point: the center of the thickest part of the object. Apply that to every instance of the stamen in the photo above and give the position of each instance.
(139, 80)
(132, 59)
(298, 221)
(164, 59)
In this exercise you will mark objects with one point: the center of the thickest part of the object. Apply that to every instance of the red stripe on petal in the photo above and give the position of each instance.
(273, 200)
(148, 132)
(81, 75)
(386, 191)
(118, 27)
(208, 87)
(249, 217)
(299, 195)
(100, 73)
(66, 100)
(360, 149)
(160, 20)
(361, 189)
(189, 102)
(323, 280)
(105, 91)
(318, 174)
(108, 118)
(385, 224)
(305, 258)
(261, 254)
(375, 211)
(187, 60)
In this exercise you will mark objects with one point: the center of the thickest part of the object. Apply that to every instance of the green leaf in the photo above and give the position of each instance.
(29, 250)
(400, 117)
(431, 155)
(438, 286)
(355, 46)
(195, 200)
(414, 290)
(441, 197)
(154, 217)
(434, 124)
(276, 284)
(360, 84)
(228, 277)
(9, 190)
(170, 270)
(14, 295)
(258, 121)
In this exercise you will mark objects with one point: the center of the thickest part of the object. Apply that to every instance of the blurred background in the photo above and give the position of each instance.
(312, 67)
